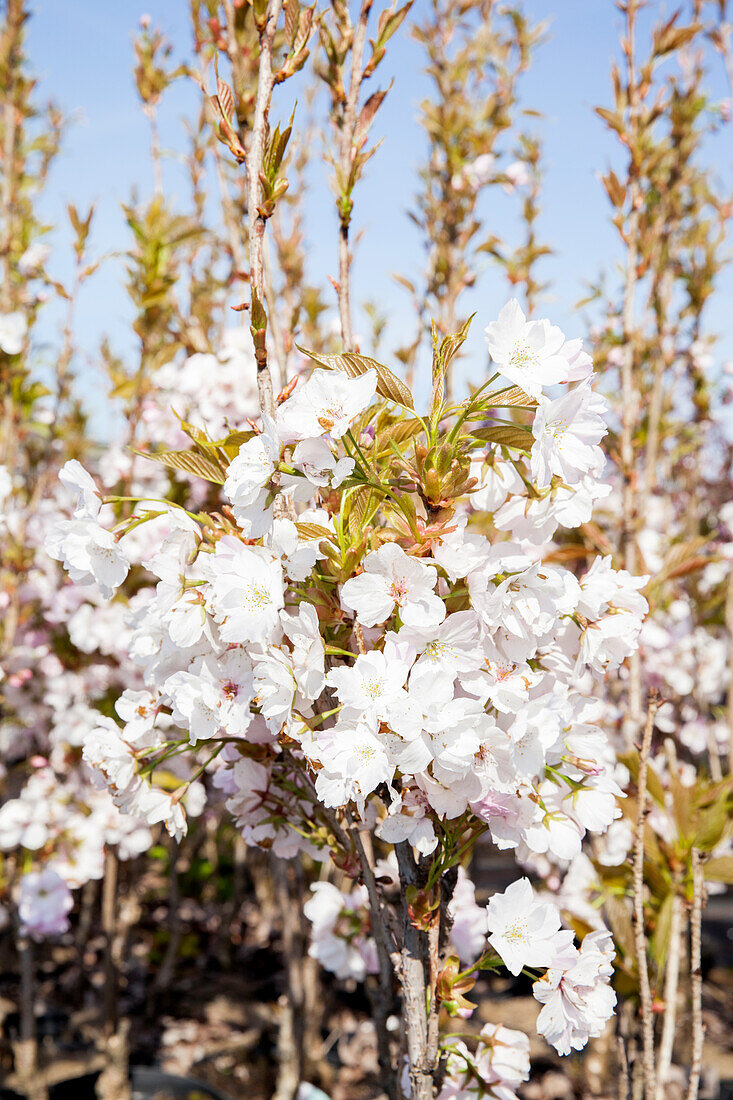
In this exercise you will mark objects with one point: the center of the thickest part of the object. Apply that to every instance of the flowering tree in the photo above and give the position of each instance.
(367, 636)
(361, 657)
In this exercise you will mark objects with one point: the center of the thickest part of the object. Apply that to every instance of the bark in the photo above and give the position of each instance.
(29, 1075)
(698, 1030)
(346, 153)
(671, 991)
(645, 995)
(255, 154)
(418, 1007)
(381, 997)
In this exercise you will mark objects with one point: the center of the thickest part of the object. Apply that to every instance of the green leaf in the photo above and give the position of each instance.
(388, 384)
(189, 462)
(360, 505)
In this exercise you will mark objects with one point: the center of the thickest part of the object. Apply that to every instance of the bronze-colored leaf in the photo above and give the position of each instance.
(310, 532)
(719, 869)
(188, 462)
(506, 435)
(388, 384)
(513, 397)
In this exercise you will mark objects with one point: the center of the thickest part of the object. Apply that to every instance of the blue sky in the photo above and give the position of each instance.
(81, 51)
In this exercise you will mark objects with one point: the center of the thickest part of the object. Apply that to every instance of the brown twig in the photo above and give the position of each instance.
(698, 1029)
(382, 1000)
(671, 988)
(346, 153)
(255, 155)
(647, 1018)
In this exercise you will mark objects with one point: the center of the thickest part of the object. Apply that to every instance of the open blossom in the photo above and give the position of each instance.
(354, 764)
(247, 478)
(13, 329)
(522, 929)
(529, 353)
(567, 433)
(498, 1067)
(319, 464)
(393, 581)
(89, 553)
(374, 685)
(245, 593)
(79, 481)
(44, 904)
(337, 938)
(114, 766)
(325, 405)
(576, 994)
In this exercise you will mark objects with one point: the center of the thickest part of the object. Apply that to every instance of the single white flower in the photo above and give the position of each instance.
(13, 329)
(245, 592)
(522, 929)
(393, 581)
(567, 433)
(325, 405)
(44, 904)
(528, 353)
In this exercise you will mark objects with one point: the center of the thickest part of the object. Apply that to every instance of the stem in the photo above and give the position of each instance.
(729, 626)
(414, 968)
(255, 154)
(383, 998)
(671, 986)
(347, 152)
(30, 1078)
(698, 1030)
(647, 1018)
(628, 389)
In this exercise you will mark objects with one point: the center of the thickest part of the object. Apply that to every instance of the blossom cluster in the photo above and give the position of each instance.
(372, 628)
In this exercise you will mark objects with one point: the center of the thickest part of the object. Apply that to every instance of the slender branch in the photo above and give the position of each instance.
(414, 985)
(671, 988)
(347, 151)
(255, 156)
(383, 999)
(698, 1030)
(729, 626)
(647, 1018)
(628, 388)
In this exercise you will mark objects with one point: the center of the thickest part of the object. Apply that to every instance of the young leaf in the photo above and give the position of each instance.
(388, 384)
(189, 462)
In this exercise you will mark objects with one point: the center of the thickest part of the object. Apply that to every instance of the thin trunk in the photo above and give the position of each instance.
(671, 992)
(382, 997)
(698, 1030)
(645, 995)
(347, 151)
(30, 1077)
(414, 972)
(629, 408)
(255, 154)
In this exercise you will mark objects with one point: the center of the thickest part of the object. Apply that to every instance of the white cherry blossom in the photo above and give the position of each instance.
(392, 581)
